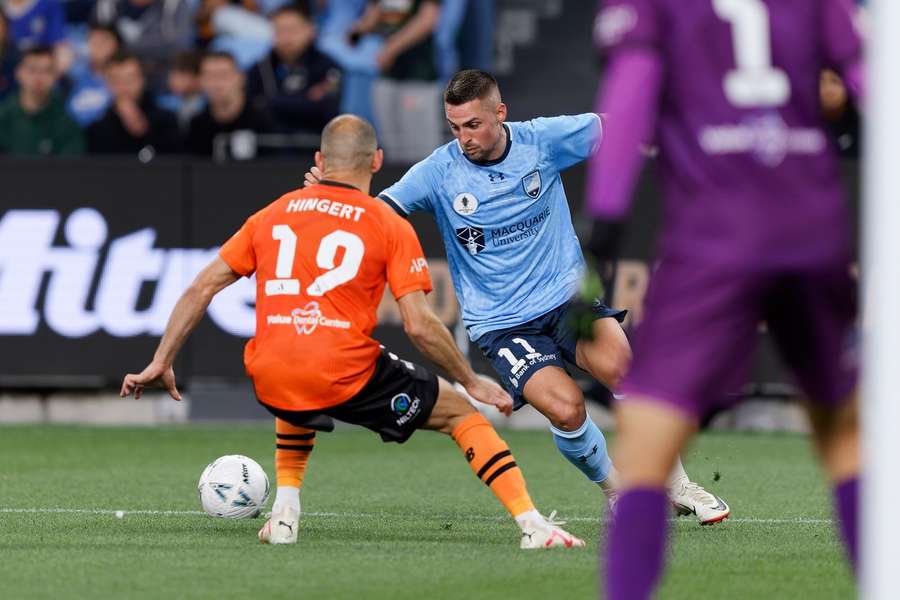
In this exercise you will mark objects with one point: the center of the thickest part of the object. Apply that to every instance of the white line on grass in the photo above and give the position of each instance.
(107, 511)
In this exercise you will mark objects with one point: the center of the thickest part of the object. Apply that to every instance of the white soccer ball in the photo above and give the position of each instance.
(233, 487)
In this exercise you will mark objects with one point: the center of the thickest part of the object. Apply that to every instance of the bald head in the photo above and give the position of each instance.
(349, 144)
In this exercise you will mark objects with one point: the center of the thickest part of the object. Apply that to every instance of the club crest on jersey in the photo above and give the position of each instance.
(531, 183)
(465, 203)
(472, 239)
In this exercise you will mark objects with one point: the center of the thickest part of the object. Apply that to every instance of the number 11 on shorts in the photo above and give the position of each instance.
(516, 365)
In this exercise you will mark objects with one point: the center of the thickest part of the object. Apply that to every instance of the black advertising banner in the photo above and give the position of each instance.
(94, 254)
(80, 246)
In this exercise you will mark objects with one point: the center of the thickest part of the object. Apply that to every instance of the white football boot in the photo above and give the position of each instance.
(690, 498)
(545, 533)
(281, 528)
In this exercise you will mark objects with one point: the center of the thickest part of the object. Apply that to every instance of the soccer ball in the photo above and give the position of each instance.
(233, 487)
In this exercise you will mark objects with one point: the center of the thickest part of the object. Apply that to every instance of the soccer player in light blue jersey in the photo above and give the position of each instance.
(516, 263)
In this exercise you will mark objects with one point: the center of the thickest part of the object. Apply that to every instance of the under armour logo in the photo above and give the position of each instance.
(496, 177)
(585, 457)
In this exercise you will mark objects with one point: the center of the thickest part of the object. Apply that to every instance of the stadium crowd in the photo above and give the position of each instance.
(227, 78)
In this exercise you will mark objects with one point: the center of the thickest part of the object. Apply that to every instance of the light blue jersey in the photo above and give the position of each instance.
(506, 225)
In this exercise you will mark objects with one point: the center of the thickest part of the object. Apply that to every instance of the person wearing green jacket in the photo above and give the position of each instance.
(34, 121)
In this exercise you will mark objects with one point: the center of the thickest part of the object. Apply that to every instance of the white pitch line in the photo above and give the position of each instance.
(107, 511)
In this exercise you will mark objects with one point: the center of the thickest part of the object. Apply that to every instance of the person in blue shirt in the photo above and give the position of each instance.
(35, 23)
(516, 264)
(89, 96)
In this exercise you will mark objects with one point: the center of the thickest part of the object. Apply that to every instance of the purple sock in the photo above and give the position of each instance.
(635, 547)
(846, 496)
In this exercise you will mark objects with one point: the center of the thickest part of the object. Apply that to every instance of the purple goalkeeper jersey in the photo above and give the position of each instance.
(728, 90)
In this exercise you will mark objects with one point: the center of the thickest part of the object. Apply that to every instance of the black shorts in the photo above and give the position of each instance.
(396, 401)
(520, 351)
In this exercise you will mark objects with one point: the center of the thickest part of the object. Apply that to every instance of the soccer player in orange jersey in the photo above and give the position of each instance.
(322, 256)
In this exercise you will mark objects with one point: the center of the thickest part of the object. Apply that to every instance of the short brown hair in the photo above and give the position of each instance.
(120, 57)
(298, 10)
(220, 55)
(187, 61)
(468, 85)
(39, 50)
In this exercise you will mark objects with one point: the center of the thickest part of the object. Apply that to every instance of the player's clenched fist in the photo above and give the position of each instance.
(488, 392)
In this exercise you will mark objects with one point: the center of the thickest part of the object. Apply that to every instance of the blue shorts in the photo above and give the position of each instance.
(521, 351)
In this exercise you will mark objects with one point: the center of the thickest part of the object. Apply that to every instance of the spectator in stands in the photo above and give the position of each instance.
(89, 96)
(133, 124)
(236, 27)
(840, 113)
(39, 23)
(228, 124)
(153, 29)
(407, 27)
(206, 30)
(295, 83)
(408, 90)
(34, 121)
(184, 96)
(9, 57)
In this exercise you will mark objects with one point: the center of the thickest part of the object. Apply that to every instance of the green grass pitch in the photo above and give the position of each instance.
(383, 521)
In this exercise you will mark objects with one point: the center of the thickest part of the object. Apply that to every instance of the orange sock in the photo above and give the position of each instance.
(493, 463)
(292, 447)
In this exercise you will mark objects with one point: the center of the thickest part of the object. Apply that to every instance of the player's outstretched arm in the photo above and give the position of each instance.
(433, 339)
(187, 313)
(631, 95)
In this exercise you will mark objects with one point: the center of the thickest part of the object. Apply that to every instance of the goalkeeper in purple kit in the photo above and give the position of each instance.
(755, 228)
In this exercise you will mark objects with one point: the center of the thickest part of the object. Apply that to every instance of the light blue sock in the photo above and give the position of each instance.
(586, 449)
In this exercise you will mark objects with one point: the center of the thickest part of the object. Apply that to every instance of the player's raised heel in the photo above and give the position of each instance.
(546, 533)
(690, 498)
(281, 528)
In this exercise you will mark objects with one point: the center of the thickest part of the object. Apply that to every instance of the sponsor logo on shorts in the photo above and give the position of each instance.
(307, 319)
(465, 203)
(405, 408)
(472, 239)
(518, 367)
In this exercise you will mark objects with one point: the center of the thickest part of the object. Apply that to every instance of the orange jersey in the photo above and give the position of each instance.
(322, 256)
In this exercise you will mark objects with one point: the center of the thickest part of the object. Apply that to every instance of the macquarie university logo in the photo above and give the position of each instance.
(472, 239)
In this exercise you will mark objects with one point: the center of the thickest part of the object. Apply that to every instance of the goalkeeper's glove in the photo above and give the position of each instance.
(600, 252)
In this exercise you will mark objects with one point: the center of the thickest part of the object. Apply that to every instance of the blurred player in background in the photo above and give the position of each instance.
(756, 229)
(516, 263)
(322, 256)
